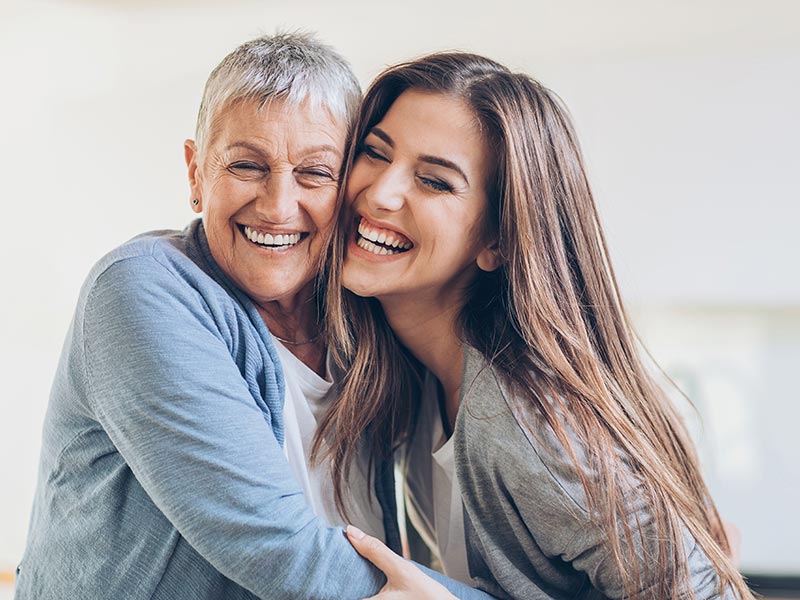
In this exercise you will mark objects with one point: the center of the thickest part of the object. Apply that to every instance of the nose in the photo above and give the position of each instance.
(278, 200)
(387, 192)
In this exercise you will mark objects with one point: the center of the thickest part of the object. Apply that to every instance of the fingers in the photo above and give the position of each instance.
(404, 581)
(377, 553)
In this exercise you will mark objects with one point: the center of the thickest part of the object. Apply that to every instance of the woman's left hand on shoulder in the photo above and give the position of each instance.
(404, 580)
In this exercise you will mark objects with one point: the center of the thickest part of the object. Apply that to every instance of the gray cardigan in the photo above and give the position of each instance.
(529, 533)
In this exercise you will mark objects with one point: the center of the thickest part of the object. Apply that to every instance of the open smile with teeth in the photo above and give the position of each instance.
(279, 241)
(381, 241)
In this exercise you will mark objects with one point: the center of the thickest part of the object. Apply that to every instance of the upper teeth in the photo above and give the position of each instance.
(383, 236)
(267, 239)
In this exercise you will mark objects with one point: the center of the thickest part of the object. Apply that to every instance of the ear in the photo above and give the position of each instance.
(489, 258)
(190, 154)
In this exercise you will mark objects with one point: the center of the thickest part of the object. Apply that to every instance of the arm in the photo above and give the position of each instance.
(524, 497)
(168, 393)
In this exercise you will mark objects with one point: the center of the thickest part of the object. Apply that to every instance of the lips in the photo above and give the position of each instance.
(380, 240)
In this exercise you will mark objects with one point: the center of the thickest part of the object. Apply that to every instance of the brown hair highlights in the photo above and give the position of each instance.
(550, 320)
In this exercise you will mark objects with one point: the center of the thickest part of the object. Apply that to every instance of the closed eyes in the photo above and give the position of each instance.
(436, 185)
(246, 166)
(432, 183)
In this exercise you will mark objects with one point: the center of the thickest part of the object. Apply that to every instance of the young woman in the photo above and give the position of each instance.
(484, 335)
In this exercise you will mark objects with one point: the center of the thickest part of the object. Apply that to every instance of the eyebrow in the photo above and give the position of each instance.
(427, 158)
(321, 148)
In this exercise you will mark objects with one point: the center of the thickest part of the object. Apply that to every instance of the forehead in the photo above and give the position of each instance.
(278, 122)
(452, 111)
(437, 124)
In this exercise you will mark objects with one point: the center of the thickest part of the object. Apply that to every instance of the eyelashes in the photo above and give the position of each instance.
(436, 185)
(373, 153)
(432, 183)
(243, 166)
(319, 173)
(315, 174)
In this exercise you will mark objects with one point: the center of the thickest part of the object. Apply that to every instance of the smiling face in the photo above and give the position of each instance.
(267, 186)
(417, 192)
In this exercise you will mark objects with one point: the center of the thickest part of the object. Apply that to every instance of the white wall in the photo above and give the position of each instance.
(687, 112)
(738, 365)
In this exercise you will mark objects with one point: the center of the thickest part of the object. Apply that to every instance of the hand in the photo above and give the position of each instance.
(404, 581)
(734, 541)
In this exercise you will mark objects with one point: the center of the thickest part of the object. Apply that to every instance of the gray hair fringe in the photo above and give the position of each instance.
(293, 67)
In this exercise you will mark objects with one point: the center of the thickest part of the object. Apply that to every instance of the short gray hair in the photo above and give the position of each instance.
(293, 67)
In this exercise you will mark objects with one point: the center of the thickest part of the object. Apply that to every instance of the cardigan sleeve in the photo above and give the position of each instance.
(166, 390)
(527, 512)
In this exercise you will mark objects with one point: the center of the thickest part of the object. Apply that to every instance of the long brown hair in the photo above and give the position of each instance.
(550, 321)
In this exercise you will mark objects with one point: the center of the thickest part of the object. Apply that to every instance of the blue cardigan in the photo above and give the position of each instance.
(162, 473)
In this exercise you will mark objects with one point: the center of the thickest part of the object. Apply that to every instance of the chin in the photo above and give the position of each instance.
(350, 283)
(361, 293)
(354, 286)
(271, 291)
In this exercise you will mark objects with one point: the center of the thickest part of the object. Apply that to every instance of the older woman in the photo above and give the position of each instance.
(164, 469)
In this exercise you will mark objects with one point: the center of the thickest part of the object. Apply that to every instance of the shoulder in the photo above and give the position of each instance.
(493, 410)
(167, 265)
(163, 285)
(501, 436)
(165, 250)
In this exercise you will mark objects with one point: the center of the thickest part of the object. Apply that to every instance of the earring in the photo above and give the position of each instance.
(195, 202)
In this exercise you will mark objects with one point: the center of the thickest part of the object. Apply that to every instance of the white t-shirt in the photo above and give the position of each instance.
(304, 405)
(434, 495)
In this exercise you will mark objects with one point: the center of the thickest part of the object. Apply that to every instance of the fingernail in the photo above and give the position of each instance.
(354, 532)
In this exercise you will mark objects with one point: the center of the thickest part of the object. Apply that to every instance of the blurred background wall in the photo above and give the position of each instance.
(688, 115)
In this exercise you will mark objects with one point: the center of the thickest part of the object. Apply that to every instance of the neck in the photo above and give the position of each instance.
(295, 320)
(429, 333)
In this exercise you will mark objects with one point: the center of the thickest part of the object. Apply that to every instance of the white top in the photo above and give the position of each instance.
(305, 403)
(433, 492)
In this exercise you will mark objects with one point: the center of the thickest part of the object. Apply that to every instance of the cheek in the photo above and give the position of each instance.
(224, 196)
(454, 236)
(322, 207)
(359, 179)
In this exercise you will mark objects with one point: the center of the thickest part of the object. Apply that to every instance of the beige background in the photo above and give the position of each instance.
(688, 113)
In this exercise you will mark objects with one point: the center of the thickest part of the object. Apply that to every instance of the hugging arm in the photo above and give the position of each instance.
(167, 392)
